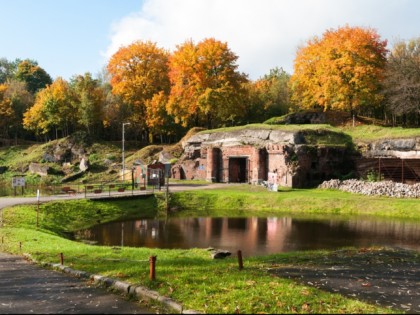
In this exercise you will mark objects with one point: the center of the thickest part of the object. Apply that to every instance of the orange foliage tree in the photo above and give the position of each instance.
(206, 88)
(139, 72)
(343, 70)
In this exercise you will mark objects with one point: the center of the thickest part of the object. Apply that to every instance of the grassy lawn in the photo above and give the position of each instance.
(191, 277)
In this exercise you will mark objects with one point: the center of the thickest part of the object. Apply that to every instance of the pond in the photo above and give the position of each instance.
(255, 236)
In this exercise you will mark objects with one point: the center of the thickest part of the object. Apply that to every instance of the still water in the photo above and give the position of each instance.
(254, 236)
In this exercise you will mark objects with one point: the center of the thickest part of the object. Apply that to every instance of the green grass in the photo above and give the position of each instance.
(256, 200)
(191, 277)
(372, 133)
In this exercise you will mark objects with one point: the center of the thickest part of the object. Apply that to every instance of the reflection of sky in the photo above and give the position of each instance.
(256, 236)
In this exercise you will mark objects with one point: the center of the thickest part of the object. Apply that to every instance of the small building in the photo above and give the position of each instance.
(156, 174)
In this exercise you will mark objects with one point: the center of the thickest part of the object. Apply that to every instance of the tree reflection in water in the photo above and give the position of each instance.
(255, 236)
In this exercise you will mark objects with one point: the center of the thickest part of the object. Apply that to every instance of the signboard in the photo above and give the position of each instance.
(18, 182)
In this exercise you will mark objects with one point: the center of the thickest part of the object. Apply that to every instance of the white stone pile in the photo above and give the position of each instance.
(382, 188)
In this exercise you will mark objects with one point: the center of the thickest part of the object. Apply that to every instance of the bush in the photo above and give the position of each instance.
(373, 176)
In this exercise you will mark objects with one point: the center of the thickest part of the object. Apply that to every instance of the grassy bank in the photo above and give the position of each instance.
(246, 200)
(191, 277)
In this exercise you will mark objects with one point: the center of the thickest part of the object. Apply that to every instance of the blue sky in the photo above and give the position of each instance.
(69, 37)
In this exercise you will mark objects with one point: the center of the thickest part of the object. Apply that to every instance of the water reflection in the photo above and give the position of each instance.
(254, 236)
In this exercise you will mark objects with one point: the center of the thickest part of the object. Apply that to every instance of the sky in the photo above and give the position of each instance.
(72, 37)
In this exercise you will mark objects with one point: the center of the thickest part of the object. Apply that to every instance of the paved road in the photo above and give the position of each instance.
(11, 201)
(26, 288)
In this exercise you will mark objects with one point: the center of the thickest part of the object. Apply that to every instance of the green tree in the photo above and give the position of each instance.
(8, 69)
(33, 75)
(21, 99)
(272, 93)
(89, 98)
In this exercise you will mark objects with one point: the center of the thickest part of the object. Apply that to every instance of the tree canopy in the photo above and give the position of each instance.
(403, 79)
(33, 75)
(343, 70)
(206, 87)
(139, 72)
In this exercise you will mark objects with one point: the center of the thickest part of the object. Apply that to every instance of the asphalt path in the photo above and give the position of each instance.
(26, 288)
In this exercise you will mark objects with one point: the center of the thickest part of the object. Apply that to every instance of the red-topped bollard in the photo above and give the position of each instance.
(152, 261)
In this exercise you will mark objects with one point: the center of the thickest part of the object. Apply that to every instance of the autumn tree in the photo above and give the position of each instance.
(343, 70)
(33, 75)
(139, 72)
(35, 118)
(53, 110)
(6, 111)
(206, 88)
(402, 83)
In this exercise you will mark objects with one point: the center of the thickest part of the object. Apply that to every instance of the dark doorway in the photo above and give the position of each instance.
(217, 165)
(238, 170)
(182, 173)
(263, 173)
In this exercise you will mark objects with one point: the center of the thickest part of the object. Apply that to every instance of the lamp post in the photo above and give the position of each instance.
(123, 161)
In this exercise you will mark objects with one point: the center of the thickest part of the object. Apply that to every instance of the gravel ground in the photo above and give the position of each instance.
(388, 277)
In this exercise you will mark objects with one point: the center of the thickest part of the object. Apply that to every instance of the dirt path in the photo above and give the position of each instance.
(389, 277)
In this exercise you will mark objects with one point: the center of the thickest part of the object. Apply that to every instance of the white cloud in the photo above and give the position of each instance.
(264, 34)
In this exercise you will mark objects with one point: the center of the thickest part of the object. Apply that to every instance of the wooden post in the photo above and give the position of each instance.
(152, 261)
(37, 208)
(61, 258)
(241, 265)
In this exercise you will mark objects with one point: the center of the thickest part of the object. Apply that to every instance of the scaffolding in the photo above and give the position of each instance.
(405, 171)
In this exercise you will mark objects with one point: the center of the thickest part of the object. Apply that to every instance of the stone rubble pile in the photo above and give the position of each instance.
(382, 188)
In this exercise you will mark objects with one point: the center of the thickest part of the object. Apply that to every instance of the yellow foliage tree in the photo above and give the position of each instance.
(6, 110)
(53, 108)
(343, 70)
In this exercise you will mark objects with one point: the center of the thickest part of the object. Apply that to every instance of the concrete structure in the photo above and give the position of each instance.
(285, 158)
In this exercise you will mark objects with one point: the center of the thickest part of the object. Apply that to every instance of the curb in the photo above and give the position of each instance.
(139, 292)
